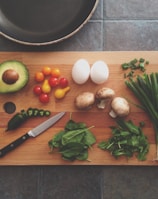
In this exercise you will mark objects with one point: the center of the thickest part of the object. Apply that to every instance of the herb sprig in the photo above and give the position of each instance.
(127, 139)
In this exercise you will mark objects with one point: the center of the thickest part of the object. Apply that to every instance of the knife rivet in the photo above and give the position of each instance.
(23, 137)
(12, 145)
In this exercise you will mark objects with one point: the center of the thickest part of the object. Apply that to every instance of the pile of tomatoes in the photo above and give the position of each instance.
(48, 78)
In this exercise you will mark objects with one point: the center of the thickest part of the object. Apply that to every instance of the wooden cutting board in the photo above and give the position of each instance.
(35, 151)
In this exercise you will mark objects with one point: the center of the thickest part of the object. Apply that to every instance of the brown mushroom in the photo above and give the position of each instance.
(120, 107)
(103, 97)
(85, 100)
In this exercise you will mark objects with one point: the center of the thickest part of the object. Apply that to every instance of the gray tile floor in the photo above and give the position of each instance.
(115, 25)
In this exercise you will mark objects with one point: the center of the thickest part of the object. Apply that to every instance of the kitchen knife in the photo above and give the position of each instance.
(32, 133)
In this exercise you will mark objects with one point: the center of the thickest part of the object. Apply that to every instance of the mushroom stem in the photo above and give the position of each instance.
(104, 96)
(112, 114)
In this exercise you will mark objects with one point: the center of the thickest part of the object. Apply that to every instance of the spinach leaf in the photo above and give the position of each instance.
(83, 155)
(72, 125)
(73, 141)
(71, 135)
(72, 150)
(89, 139)
(56, 141)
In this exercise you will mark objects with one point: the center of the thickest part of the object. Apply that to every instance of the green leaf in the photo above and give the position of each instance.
(73, 142)
(89, 139)
(83, 155)
(71, 135)
(126, 140)
(56, 141)
(72, 125)
(103, 145)
(71, 150)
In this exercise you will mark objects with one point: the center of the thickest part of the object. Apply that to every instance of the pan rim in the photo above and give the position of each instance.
(56, 40)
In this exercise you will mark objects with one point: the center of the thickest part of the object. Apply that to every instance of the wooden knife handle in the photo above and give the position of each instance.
(13, 145)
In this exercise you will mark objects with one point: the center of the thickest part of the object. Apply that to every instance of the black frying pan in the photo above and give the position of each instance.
(41, 22)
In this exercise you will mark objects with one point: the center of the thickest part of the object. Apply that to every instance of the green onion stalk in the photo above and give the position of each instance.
(145, 88)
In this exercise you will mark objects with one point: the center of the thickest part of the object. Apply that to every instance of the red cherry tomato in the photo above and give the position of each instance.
(37, 90)
(53, 81)
(44, 98)
(63, 82)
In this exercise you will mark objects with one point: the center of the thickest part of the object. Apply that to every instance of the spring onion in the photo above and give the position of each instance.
(145, 88)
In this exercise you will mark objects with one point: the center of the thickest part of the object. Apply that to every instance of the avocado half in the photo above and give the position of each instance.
(19, 68)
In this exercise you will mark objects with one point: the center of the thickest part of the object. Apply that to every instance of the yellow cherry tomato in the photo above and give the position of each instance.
(46, 70)
(39, 76)
(46, 88)
(55, 72)
(61, 92)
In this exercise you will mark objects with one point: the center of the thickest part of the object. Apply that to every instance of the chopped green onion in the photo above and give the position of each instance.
(141, 60)
(133, 65)
(125, 66)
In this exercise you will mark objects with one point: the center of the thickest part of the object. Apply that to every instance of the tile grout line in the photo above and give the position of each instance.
(39, 184)
(102, 25)
(123, 20)
(102, 186)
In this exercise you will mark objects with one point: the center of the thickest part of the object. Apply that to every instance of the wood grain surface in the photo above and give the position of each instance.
(35, 151)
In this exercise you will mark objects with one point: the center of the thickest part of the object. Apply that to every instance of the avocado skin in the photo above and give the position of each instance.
(23, 76)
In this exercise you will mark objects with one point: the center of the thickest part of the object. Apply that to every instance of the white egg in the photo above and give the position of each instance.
(81, 71)
(99, 72)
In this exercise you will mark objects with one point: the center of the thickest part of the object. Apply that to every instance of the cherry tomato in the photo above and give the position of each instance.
(53, 81)
(63, 82)
(46, 70)
(39, 76)
(55, 72)
(37, 90)
(44, 98)
(61, 92)
(46, 88)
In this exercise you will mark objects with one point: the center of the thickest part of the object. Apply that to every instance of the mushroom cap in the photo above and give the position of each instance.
(120, 106)
(104, 93)
(85, 100)
(103, 97)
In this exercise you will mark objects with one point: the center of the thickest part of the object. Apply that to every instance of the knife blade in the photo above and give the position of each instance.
(32, 133)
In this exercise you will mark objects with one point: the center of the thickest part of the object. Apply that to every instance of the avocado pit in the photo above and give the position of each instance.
(10, 76)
